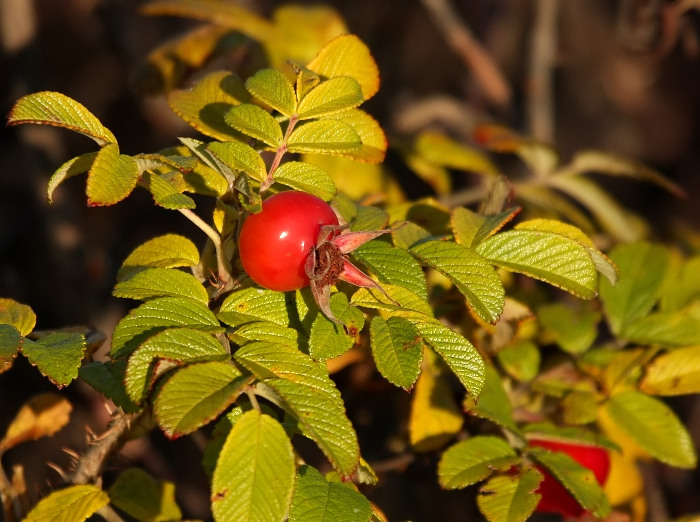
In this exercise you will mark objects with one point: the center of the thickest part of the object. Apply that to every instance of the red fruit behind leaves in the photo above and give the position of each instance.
(555, 498)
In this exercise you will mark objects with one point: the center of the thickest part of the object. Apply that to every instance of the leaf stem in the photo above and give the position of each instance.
(281, 151)
(222, 265)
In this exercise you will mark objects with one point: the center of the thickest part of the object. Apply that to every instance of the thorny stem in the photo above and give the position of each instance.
(224, 271)
(281, 151)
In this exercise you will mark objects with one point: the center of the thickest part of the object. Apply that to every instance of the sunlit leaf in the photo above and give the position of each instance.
(347, 55)
(473, 460)
(552, 258)
(323, 137)
(328, 339)
(574, 330)
(254, 475)
(305, 29)
(112, 176)
(334, 95)
(156, 315)
(473, 276)
(654, 426)
(253, 121)
(108, 379)
(520, 360)
(73, 167)
(579, 408)
(72, 504)
(141, 496)
(493, 403)
(306, 178)
(397, 299)
(161, 282)
(204, 105)
(10, 341)
(682, 285)
(510, 498)
(57, 356)
(195, 395)
(241, 157)
(164, 193)
(168, 251)
(374, 142)
(18, 315)
(273, 88)
(318, 500)
(368, 218)
(681, 328)
(442, 150)
(41, 416)
(471, 228)
(254, 304)
(674, 373)
(397, 349)
(263, 331)
(54, 108)
(643, 267)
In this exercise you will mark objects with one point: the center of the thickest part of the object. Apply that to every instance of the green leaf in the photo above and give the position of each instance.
(474, 459)
(374, 142)
(471, 228)
(510, 498)
(573, 330)
(674, 373)
(218, 437)
(57, 356)
(18, 315)
(253, 121)
(681, 328)
(54, 108)
(254, 304)
(347, 55)
(273, 88)
(112, 176)
(240, 157)
(73, 167)
(161, 282)
(654, 426)
(164, 193)
(264, 331)
(204, 105)
(317, 500)
(520, 360)
(555, 259)
(307, 178)
(397, 349)
(195, 395)
(493, 403)
(643, 268)
(10, 340)
(328, 339)
(577, 479)
(254, 475)
(459, 354)
(369, 218)
(408, 302)
(168, 251)
(174, 345)
(72, 504)
(323, 137)
(579, 408)
(108, 379)
(441, 150)
(393, 266)
(682, 286)
(334, 95)
(156, 315)
(141, 496)
(308, 392)
(471, 274)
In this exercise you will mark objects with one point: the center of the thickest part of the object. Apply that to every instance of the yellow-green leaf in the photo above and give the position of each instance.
(334, 95)
(18, 315)
(674, 373)
(471, 228)
(492, 403)
(347, 55)
(240, 157)
(254, 475)
(323, 137)
(272, 87)
(10, 341)
(168, 251)
(397, 349)
(510, 498)
(306, 178)
(72, 504)
(112, 176)
(253, 121)
(204, 105)
(574, 330)
(57, 356)
(141, 496)
(254, 304)
(54, 108)
(161, 282)
(73, 167)
(164, 193)
(374, 142)
(41, 416)
(552, 258)
(444, 151)
(474, 459)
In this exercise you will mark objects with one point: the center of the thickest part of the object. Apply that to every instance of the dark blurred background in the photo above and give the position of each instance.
(626, 79)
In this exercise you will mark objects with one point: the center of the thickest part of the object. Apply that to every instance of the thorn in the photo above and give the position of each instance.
(58, 469)
(71, 453)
